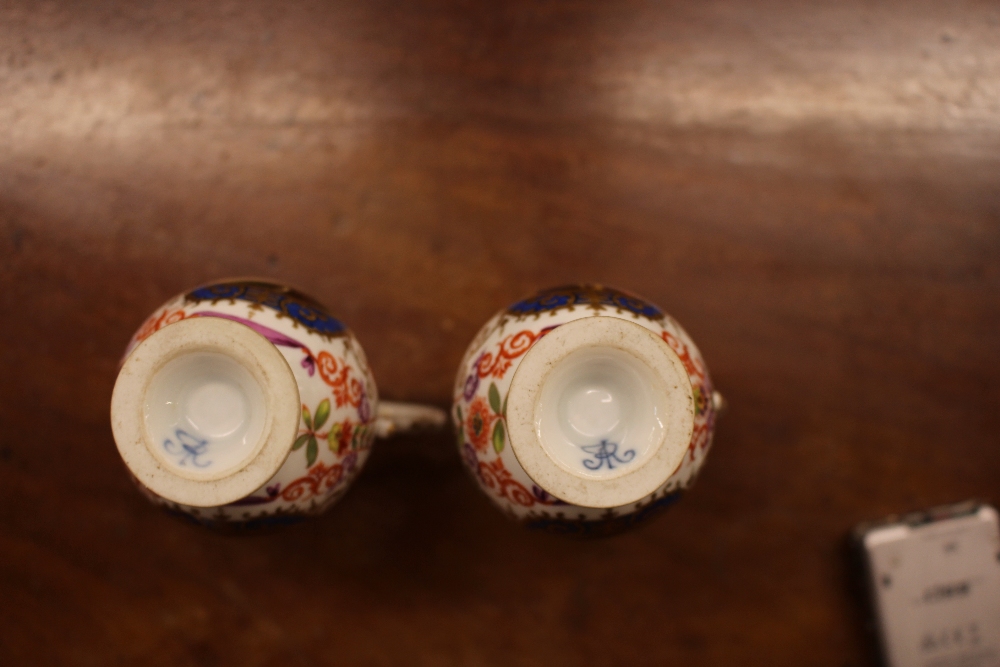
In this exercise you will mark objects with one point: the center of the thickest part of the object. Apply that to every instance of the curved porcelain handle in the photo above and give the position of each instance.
(392, 418)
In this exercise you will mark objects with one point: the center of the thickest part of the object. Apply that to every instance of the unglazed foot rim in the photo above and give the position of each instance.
(236, 381)
(600, 412)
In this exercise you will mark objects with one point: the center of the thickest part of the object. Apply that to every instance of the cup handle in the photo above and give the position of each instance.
(392, 418)
(719, 403)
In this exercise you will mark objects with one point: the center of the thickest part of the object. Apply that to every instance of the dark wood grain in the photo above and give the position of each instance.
(814, 191)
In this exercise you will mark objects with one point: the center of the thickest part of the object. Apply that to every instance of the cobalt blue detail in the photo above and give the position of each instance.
(595, 297)
(289, 302)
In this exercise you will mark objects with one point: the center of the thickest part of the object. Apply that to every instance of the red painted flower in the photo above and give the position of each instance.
(340, 437)
(478, 424)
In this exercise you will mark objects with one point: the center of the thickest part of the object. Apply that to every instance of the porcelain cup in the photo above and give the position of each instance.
(583, 409)
(246, 403)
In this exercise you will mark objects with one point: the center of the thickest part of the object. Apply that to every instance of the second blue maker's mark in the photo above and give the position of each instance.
(188, 448)
(606, 453)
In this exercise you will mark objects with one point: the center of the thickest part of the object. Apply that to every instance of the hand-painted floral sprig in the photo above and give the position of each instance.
(340, 437)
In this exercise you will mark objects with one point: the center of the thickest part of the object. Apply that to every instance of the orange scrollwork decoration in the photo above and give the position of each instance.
(319, 480)
(497, 478)
(337, 374)
(690, 364)
(702, 391)
(157, 322)
(699, 438)
(511, 347)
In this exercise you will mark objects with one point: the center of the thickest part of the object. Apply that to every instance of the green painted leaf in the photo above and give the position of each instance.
(306, 418)
(312, 451)
(503, 410)
(322, 412)
(498, 438)
(458, 410)
(494, 397)
(301, 440)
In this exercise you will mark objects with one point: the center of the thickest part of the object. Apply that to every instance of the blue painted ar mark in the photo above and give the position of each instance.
(189, 448)
(606, 452)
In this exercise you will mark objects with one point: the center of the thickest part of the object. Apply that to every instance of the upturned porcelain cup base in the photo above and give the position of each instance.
(204, 410)
(600, 412)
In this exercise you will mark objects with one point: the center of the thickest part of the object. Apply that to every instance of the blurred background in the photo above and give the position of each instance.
(812, 189)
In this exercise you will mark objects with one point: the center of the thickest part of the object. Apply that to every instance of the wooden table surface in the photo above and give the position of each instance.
(812, 189)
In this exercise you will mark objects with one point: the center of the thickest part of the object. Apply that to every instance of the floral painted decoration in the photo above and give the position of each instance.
(335, 385)
(483, 383)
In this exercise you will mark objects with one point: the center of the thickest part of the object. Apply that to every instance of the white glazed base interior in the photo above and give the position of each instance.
(204, 414)
(600, 412)
(205, 411)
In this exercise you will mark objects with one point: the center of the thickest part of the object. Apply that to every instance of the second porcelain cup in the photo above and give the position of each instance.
(246, 403)
(583, 409)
